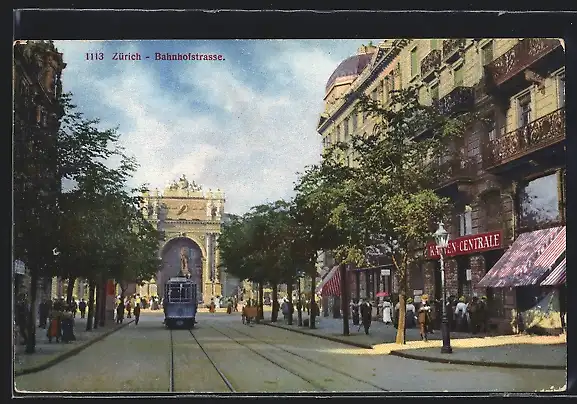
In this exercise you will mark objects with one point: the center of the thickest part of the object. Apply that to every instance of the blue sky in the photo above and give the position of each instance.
(245, 125)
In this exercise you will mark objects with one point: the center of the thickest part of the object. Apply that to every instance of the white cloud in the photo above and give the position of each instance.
(220, 124)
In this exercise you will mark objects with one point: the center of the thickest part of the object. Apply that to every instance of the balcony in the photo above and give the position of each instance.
(520, 57)
(537, 135)
(452, 49)
(454, 171)
(430, 64)
(460, 99)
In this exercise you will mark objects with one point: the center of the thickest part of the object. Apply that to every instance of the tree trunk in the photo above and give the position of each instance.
(103, 305)
(344, 299)
(274, 314)
(90, 316)
(289, 291)
(312, 309)
(70, 290)
(401, 325)
(31, 320)
(260, 300)
(98, 305)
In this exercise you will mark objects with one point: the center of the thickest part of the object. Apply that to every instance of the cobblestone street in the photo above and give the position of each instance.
(223, 355)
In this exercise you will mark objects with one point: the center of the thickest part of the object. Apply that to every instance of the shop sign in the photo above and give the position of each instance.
(19, 267)
(385, 272)
(474, 243)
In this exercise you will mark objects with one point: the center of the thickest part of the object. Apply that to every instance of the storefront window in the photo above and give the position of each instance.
(539, 202)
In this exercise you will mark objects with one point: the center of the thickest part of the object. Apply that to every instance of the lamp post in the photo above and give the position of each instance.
(300, 275)
(442, 240)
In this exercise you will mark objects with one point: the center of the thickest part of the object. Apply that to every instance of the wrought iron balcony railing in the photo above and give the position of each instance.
(518, 58)
(538, 134)
(430, 64)
(452, 48)
(460, 99)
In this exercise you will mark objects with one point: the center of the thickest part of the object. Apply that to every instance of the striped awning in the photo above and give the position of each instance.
(546, 260)
(327, 278)
(557, 276)
(333, 285)
(517, 266)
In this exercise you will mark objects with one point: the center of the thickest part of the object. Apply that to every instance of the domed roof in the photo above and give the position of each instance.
(352, 66)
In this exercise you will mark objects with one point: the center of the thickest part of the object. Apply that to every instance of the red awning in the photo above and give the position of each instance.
(517, 266)
(547, 259)
(558, 276)
(327, 278)
(333, 285)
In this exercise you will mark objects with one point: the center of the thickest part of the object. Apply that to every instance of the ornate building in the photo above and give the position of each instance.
(505, 177)
(37, 86)
(189, 219)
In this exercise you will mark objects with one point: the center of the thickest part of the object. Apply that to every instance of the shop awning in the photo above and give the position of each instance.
(333, 285)
(557, 276)
(327, 278)
(517, 266)
(546, 260)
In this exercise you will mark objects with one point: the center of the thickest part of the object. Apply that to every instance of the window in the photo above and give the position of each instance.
(374, 95)
(539, 202)
(458, 76)
(465, 223)
(561, 89)
(434, 44)
(492, 126)
(414, 62)
(346, 135)
(435, 93)
(487, 54)
(354, 120)
(338, 134)
(524, 110)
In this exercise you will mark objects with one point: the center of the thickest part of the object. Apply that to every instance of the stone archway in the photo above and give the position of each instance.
(171, 262)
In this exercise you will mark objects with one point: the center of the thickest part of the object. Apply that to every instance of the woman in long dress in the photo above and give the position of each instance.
(387, 311)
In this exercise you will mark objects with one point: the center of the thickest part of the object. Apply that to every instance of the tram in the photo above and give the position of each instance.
(180, 303)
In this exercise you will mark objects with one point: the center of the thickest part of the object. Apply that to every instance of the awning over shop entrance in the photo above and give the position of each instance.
(331, 285)
(527, 260)
(558, 276)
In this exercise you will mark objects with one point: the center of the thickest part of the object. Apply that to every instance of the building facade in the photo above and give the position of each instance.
(189, 220)
(37, 86)
(505, 176)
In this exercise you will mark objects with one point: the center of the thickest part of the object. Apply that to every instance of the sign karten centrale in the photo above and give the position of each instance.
(473, 243)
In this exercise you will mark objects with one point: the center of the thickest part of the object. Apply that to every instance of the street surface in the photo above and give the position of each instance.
(223, 355)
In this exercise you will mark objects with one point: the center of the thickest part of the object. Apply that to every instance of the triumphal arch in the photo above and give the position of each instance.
(189, 221)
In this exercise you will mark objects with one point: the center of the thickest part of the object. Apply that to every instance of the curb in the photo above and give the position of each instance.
(406, 355)
(65, 355)
(327, 337)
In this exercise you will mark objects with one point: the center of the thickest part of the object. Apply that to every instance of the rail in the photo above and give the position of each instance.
(222, 376)
(171, 368)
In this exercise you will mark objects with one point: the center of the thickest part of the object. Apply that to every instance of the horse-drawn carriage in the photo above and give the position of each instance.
(249, 314)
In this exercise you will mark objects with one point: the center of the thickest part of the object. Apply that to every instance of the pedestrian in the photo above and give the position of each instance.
(460, 314)
(410, 314)
(82, 308)
(55, 327)
(424, 317)
(120, 313)
(67, 324)
(136, 313)
(366, 311)
(387, 310)
(355, 309)
(128, 308)
(473, 315)
(73, 307)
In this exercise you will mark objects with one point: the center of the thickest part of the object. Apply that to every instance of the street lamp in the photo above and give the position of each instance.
(300, 275)
(442, 240)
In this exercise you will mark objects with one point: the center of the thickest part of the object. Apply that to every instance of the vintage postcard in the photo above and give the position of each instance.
(289, 216)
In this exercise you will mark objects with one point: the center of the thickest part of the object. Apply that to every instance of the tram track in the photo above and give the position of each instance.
(304, 358)
(222, 376)
(171, 365)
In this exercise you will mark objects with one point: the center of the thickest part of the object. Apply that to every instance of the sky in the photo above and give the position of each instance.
(245, 124)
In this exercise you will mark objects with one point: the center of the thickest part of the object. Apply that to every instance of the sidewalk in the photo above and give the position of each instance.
(513, 351)
(48, 354)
